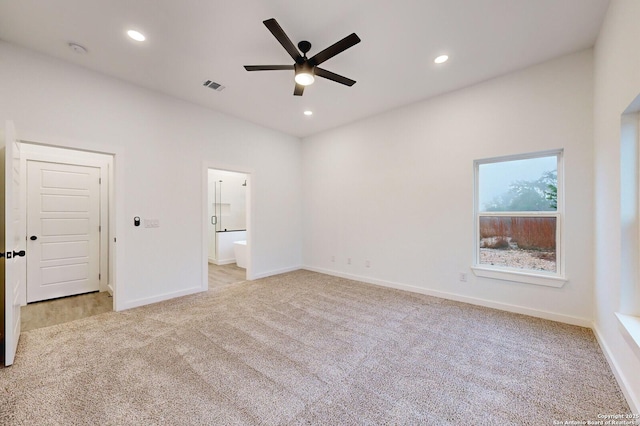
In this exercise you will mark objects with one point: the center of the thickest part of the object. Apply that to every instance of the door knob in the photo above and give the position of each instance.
(33, 238)
(12, 254)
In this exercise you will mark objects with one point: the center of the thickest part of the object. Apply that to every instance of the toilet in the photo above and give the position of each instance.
(240, 250)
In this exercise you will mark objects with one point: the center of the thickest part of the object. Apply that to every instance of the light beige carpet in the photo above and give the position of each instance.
(58, 311)
(306, 348)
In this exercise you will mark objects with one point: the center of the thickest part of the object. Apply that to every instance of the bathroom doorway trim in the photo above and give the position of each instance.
(205, 217)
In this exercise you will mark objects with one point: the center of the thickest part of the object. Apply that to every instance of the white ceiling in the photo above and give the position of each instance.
(190, 41)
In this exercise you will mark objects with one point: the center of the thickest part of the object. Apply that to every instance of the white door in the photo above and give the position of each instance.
(13, 238)
(63, 226)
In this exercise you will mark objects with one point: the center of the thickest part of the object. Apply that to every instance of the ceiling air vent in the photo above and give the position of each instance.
(213, 85)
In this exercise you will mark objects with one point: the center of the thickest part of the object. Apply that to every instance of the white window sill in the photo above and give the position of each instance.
(631, 324)
(519, 277)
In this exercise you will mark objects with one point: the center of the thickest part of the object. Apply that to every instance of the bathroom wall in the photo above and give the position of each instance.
(232, 195)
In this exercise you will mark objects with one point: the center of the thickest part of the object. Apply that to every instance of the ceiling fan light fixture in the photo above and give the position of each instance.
(304, 78)
(304, 74)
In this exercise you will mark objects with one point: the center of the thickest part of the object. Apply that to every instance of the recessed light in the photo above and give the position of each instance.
(136, 35)
(307, 112)
(441, 59)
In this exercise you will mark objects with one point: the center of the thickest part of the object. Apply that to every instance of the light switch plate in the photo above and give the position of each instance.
(151, 223)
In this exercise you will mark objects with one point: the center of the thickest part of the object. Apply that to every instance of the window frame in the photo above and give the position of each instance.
(628, 313)
(528, 276)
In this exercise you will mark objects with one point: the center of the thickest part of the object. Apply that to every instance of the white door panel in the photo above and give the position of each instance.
(56, 275)
(63, 227)
(65, 203)
(67, 250)
(13, 238)
(56, 179)
(63, 215)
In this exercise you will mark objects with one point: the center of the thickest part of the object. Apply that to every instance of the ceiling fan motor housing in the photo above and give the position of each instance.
(304, 47)
(304, 67)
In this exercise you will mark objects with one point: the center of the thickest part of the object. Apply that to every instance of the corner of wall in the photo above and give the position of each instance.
(621, 377)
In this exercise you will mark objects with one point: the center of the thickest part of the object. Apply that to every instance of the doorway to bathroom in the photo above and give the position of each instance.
(227, 197)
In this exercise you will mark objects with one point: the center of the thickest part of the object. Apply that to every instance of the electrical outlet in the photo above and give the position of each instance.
(367, 264)
(348, 261)
(463, 277)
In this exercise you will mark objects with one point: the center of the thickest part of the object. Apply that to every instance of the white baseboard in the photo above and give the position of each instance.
(582, 322)
(161, 297)
(634, 403)
(110, 289)
(222, 262)
(275, 272)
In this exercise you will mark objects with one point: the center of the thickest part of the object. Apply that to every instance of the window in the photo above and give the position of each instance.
(629, 311)
(518, 218)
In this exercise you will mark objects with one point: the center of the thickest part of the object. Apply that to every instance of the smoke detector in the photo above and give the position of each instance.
(81, 50)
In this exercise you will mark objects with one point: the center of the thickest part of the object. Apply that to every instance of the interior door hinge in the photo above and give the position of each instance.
(99, 277)
(99, 228)
(100, 181)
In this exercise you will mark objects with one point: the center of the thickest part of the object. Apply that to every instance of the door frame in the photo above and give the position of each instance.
(116, 201)
(41, 154)
(206, 165)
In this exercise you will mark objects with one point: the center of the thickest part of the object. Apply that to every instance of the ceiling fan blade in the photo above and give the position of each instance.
(298, 90)
(284, 40)
(334, 49)
(320, 72)
(267, 67)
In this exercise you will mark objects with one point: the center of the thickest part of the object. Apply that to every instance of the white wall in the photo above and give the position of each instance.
(161, 145)
(617, 83)
(397, 189)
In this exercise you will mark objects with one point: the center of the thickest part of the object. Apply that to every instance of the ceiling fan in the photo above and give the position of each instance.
(306, 68)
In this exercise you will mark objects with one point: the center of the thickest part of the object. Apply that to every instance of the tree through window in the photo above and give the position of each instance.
(518, 213)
